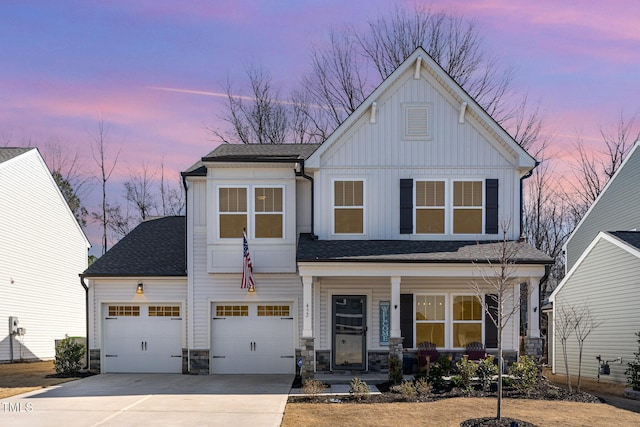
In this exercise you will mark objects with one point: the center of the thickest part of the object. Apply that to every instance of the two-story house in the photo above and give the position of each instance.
(366, 244)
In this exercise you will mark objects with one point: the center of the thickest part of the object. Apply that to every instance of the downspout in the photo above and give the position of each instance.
(185, 184)
(310, 178)
(86, 308)
(527, 175)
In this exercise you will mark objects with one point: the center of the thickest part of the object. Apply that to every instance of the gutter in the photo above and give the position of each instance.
(185, 185)
(525, 176)
(310, 179)
(86, 307)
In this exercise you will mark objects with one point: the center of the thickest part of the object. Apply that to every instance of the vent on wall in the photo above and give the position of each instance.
(417, 120)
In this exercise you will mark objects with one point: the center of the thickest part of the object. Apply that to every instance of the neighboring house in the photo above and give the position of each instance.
(361, 247)
(42, 249)
(604, 276)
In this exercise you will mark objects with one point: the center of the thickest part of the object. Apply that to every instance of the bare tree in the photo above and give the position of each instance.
(498, 282)
(564, 326)
(139, 192)
(172, 200)
(106, 168)
(584, 324)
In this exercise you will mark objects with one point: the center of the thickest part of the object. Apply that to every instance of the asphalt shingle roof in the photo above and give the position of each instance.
(412, 251)
(631, 237)
(261, 151)
(156, 247)
(8, 153)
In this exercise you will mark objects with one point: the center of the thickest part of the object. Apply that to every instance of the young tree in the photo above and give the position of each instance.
(499, 282)
(584, 324)
(106, 168)
(564, 326)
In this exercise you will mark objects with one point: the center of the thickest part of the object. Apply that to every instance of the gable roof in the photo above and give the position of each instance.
(628, 241)
(524, 160)
(156, 247)
(8, 153)
(413, 251)
(635, 150)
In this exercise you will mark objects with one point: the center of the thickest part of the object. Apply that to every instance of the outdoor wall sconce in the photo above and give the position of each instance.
(251, 289)
(140, 289)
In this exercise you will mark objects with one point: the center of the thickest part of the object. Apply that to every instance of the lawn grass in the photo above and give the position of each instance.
(18, 378)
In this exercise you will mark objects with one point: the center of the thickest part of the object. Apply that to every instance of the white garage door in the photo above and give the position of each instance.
(252, 339)
(142, 338)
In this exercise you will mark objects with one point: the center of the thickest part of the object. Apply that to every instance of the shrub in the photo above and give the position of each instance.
(435, 376)
(69, 355)
(633, 370)
(525, 373)
(312, 386)
(357, 386)
(445, 364)
(395, 370)
(486, 371)
(406, 389)
(466, 370)
(423, 387)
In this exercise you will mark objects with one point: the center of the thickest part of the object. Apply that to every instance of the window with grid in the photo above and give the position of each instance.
(232, 310)
(430, 319)
(124, 310)
(430, 207)
(164, 311)
(232, 206)
(348, 202)
(467, 320)
(273, 310)
(467, 207)
(269, 216)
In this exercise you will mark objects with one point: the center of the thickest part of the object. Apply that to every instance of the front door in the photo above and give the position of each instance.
(349, 332)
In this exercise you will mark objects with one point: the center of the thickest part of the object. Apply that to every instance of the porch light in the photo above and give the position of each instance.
(251, 289)
(140, 289)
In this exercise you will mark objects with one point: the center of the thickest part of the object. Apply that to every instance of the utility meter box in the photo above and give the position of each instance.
(14, 324)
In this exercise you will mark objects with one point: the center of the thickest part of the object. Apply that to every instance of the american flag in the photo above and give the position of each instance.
(247, 268)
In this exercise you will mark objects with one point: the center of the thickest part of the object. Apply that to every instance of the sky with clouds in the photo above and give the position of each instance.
(67, 64)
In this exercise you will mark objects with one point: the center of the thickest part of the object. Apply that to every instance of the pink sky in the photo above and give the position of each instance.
(66, 64)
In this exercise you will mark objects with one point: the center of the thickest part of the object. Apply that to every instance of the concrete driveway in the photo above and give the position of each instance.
(153, 399)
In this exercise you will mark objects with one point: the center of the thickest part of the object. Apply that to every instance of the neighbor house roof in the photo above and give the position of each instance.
(413, 251)
(156, 247)
(8, 153)
(631, 237)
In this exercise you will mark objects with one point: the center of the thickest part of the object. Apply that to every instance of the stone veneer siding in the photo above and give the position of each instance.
(199, 362)
(306, 354)
(94, 360)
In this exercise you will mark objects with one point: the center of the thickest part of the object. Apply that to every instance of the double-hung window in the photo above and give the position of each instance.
(268, 211)
(430, 207)
(430, 319)
(232, 206)
(348, 206)
(467, 207)
(467, 320)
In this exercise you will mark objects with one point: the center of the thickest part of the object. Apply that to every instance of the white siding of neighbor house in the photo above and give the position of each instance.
(377, 153)
(42, 251)
(378, 289)
(617, 209)
(157, 290)
(608, 281)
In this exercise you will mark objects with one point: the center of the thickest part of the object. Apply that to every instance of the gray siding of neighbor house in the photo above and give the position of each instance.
(608, 280)
(618, 209)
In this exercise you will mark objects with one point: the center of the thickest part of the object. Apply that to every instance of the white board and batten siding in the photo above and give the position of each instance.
(381, 155)
(616, 209)
(606, 281)
(42, 251)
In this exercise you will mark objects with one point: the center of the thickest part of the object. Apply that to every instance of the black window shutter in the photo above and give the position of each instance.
(490, 329)
(406, 206)
(406, 319)
(491, 197)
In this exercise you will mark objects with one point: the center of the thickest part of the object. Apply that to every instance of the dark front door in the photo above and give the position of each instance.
(349, 332)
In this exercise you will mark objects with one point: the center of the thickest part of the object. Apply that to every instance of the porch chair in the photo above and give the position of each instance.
(427, 354)
(476, 351)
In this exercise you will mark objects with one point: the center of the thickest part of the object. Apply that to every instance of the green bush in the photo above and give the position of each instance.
(525, 373)
(486, 371)
(423, 387)
(395, 370)
(435, 376)
(445, 364)
(69, 354)
(633, 370)
(359, 387)
(406, 389)
(312, 386)
(466, 370)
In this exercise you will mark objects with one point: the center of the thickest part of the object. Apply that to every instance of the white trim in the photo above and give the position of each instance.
(603, 235)
(218, 213)
(446, 207)
(333, 206)
(483, 207)
(253, 213)
(446, 316)
(606, 187)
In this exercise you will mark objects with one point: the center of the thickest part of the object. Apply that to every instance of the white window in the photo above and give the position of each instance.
(468, 202)
(467, 320)
(348, 207)
(266, 212)
(430, 319)
(233, 211)
(430, 207)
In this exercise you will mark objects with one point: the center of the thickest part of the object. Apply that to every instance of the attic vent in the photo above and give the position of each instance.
(417, 120)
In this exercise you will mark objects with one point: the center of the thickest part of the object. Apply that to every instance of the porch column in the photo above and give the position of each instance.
(533, 310)
(307, 306)
(395, 308)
